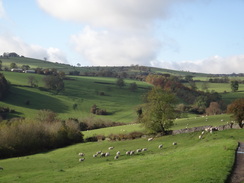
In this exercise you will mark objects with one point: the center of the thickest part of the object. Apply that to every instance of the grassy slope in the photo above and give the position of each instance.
(83, 91)
(192, 160)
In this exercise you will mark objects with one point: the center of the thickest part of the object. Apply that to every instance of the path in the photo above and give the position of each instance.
(238, 173)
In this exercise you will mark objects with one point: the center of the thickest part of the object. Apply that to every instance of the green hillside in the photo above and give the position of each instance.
(191, 160)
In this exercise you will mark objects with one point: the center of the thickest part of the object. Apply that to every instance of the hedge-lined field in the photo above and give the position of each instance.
(191, 160)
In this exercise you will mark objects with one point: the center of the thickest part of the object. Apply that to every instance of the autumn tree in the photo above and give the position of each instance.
(213, 109)
(236, 108)
(158, 113)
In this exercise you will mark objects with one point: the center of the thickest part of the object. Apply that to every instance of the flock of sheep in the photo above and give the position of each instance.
(118, 153)
(209, 129)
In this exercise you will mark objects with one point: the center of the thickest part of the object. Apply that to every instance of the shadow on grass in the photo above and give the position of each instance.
(34, 100)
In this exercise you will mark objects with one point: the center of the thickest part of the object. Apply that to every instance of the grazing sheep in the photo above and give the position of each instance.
(81, 154)
(102, 155)
(118, 153)
(150, 139)
(81, 159)
(99, 152)
(174, 143)
(132, 152)
(127, 153)
(107, 154)
(116, 157)
(94, 155)
(138, 150)
(203, 132)
(110, 148)
(144, 149)
(160, 146)
(200, 137)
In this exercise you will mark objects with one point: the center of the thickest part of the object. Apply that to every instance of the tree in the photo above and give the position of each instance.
(213, 109)
(120, 82)
(234, 86)
(158, 113)
(1, 64)
(13, 65)
(192, 85)
(133, 87)
(32, 81)
(25, 67)
(236, 108)
(54, 83)
(204, 86)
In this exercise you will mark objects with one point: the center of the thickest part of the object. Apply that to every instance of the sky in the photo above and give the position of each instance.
(191, 35)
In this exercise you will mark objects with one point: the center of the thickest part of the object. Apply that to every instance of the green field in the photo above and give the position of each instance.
(192, 160)
(120, 103)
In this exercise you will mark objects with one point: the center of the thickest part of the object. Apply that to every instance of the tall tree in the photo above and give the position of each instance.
(32, 81)
(234, 85)
(158, 113)
(236, 108)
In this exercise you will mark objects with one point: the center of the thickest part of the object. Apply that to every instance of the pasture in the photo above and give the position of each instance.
(120, 103)
(191, 160)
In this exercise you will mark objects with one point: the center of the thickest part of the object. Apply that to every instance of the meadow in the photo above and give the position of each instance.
(191, 160)
(120, 103)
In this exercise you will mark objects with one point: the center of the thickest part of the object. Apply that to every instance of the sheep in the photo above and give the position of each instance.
(1, 168)
(116, 157)
(94, 155)
(203, 132)
(99, 152)
(81, 154)
(118, 153)
(132, 152)
(200, 137)
(81, 159)
(107, 154)
(102, 155)
(150, 139)
(144, 149)
(110, 148)
(138, 150)
(174, 143)
(160, 146)
(127, 153)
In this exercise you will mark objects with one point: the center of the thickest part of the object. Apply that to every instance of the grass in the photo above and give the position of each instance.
(190, 122)
(83, 91)
(192, 160)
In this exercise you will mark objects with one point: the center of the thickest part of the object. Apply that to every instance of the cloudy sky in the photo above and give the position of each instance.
(193, 35)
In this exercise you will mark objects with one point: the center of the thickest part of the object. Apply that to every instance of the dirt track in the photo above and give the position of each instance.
(238, 173)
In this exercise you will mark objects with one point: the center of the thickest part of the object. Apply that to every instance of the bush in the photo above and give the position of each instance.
(129, 136)
(24, 137)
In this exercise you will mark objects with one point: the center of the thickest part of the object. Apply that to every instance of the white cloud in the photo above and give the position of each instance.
(110, 48)
(122, 14)
(9, 43)
(213, 65)
(2, 11)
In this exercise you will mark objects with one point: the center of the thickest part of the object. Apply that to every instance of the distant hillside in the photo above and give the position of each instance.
(133, 69)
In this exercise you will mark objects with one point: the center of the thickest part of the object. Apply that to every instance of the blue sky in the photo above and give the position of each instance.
(194, 35)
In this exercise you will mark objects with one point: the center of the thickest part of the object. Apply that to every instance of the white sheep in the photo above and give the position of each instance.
(102, 155)
(132, 152)
(81, 159)
(94, 155)
(144, 149)
(110, 148)
(99, 152)
(107, 154)
(81, 154)
(174, 143)
(200, 137)
(138, 150)
(127, 153)
(150, 139)
(160, 146)
(118, 153)
(116, 157)
(203, 132)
